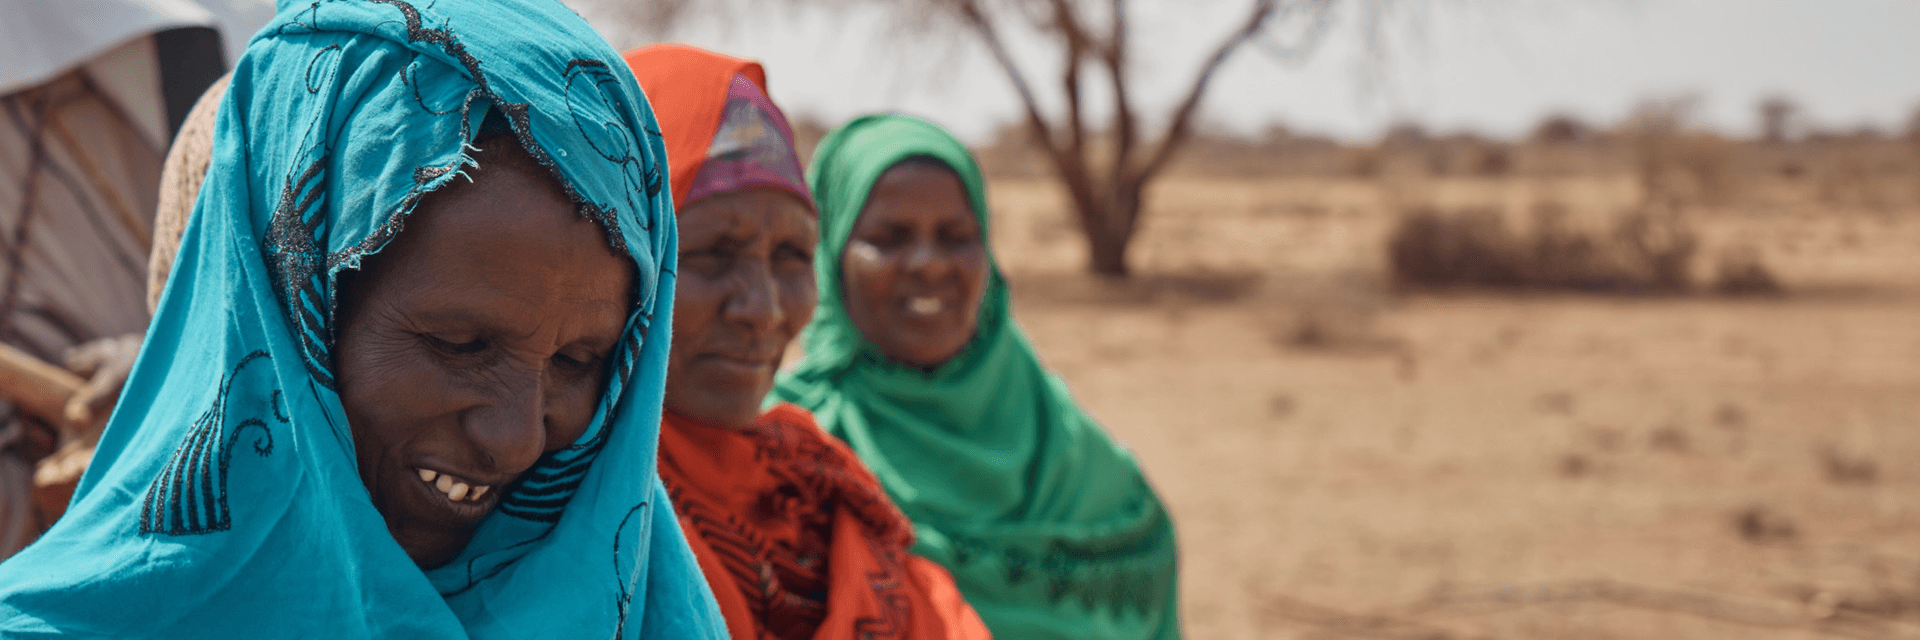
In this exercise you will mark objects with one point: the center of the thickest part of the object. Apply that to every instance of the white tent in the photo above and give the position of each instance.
(91, 92)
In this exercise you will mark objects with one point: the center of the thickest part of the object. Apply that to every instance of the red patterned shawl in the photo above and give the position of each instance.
(797, 538)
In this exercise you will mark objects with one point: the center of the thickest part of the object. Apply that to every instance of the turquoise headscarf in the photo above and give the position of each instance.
(223, 500)
(1047, 525)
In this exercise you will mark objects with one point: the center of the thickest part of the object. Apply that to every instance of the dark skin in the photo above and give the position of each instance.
(475, 342)
(745, 290)
(915, 266)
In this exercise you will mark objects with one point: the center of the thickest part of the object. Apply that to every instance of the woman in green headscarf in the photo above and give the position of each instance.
(913, 359)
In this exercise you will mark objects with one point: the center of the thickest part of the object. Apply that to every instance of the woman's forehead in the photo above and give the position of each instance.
(918, 190)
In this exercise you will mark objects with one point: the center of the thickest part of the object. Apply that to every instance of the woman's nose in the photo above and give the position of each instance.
(756, 297)
(509, 432)
(925, 258)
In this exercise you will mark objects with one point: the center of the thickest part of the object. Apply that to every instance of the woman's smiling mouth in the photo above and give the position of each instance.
(461, 501)
(924, 305)
(455, 489)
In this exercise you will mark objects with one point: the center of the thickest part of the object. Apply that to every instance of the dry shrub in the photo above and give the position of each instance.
(1560, 129)
(1642, 252)
(1760, 524)
(1430, 249)
(1740, 272)
(1675, 162)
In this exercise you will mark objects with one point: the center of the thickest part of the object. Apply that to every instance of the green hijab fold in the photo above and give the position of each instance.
(1048, 525)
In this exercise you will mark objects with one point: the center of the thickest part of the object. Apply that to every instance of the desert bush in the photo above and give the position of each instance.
(1430, 249)
(1641, 252)
(1740, 272)
(1560, 128)
(1676, 163)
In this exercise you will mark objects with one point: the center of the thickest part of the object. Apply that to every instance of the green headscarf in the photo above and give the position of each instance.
(1048, 525)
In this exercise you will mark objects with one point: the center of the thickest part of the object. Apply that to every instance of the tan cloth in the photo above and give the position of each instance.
(180, 180)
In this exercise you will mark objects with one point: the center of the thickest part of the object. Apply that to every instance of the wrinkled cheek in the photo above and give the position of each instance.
(571, 411)
(797, 298)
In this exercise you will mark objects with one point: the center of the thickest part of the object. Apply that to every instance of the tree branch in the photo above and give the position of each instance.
(1181, 125)
(1075, 40)
(972, 16)
(1125, 126)
(1071, 169)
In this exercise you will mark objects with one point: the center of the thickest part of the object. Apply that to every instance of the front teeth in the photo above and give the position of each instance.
(456, 491)
(924, 306)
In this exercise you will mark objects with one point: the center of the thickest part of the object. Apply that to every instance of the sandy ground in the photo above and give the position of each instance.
(1344, 462)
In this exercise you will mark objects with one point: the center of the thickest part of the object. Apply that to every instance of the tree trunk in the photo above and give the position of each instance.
(1108, 254)
(1109, 232)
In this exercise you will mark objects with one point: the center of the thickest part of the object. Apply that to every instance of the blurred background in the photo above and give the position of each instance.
(1429, 318)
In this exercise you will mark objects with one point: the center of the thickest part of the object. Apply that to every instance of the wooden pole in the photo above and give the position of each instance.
(35, 386)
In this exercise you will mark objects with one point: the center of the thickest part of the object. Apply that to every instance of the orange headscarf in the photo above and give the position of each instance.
(797, 538)
(722, 131)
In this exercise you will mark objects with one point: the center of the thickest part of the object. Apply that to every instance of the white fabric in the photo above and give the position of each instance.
(130, 75)
(40, 39)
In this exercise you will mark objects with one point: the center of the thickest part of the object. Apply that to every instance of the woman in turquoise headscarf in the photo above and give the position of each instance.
(913, 359)
(405, 379)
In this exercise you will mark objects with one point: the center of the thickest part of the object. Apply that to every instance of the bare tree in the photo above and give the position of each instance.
(1105, 164)
(1107, 192)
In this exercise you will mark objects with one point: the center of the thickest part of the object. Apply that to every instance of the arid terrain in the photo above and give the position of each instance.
(1345, 459)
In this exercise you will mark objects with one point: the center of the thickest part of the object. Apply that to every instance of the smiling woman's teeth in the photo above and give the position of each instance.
(924, 306)
(456, 491)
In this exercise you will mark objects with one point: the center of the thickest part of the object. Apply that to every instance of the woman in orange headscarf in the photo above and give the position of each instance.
(793, 532)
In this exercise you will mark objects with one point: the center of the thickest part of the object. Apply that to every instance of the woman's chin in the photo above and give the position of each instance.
(720, 393)
(735, 411)
(431, 549)
(925, 354)
(726, 416)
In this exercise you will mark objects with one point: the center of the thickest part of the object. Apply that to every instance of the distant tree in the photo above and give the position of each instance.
(1104, 166)
(1093, 38)
(1777, 114)
(1560, 128)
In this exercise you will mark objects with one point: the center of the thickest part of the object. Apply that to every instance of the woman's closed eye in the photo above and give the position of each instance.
(789, 254)
(713, 259)
(959, 236)
(579, 362)
(891, 237)
(455, 345)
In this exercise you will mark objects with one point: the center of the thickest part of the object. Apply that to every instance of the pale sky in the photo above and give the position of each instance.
(1491, 66)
